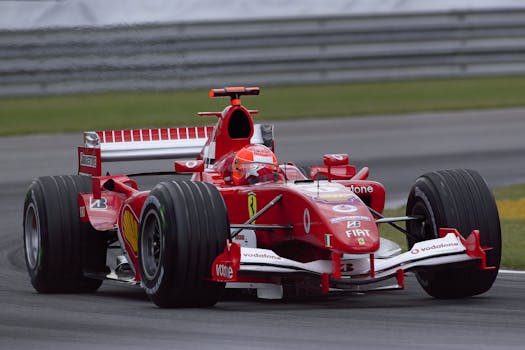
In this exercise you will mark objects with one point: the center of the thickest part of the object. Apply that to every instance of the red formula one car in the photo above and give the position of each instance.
(245, 221)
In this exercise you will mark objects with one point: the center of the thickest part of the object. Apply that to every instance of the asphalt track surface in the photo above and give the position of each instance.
(396, 148)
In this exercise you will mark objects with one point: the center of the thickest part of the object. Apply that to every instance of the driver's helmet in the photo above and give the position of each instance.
(254, 164)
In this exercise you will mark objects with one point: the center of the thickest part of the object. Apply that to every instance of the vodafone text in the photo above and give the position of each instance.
(224, 271)
(361, 189)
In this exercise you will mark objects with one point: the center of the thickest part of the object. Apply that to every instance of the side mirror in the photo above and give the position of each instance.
(189, 166)
(335, 159)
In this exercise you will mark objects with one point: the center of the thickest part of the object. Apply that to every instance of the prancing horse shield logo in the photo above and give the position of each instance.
(252, 204)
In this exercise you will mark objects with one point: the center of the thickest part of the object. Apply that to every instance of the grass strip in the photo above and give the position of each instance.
(25, 115)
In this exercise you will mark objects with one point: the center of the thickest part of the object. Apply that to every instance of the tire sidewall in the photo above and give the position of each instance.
(155, 284)
(34, 197)
(418, 197)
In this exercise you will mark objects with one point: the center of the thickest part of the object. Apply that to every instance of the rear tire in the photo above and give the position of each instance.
(184, 227)
(58, 246)
(457, 199)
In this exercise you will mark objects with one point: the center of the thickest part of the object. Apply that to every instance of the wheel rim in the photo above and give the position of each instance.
(151, 244)
(32, 235)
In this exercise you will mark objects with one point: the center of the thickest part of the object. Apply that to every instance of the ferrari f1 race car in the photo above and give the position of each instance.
(245, 221)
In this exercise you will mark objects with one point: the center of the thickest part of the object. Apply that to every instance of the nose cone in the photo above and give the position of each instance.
(348, 225)
(355, 232)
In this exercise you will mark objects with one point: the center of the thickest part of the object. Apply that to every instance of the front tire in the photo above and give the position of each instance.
(58, 246)
(457, 199)
(184, 227)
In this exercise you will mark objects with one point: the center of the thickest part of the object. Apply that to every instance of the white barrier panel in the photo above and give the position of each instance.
(99, 13)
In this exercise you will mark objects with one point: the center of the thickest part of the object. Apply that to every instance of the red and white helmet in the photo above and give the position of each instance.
(253, 164)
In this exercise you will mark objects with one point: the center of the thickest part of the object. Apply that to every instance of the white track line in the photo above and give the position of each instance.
(512, 272)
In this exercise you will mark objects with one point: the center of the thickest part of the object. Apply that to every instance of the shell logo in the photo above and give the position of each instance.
(130, 228)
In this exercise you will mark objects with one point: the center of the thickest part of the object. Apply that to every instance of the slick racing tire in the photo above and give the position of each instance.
(58, 246)
(184, 227)
(457, 199)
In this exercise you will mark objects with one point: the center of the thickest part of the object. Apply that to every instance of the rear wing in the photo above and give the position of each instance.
(147, 144)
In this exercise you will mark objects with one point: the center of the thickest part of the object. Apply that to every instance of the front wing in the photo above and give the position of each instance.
(264, 270)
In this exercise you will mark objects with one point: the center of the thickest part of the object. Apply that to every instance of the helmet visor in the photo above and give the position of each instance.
(255, 172)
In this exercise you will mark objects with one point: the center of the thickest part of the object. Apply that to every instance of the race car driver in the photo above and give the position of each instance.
(254, 164)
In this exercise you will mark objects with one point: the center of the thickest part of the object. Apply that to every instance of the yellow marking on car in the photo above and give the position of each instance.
(131, 229)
